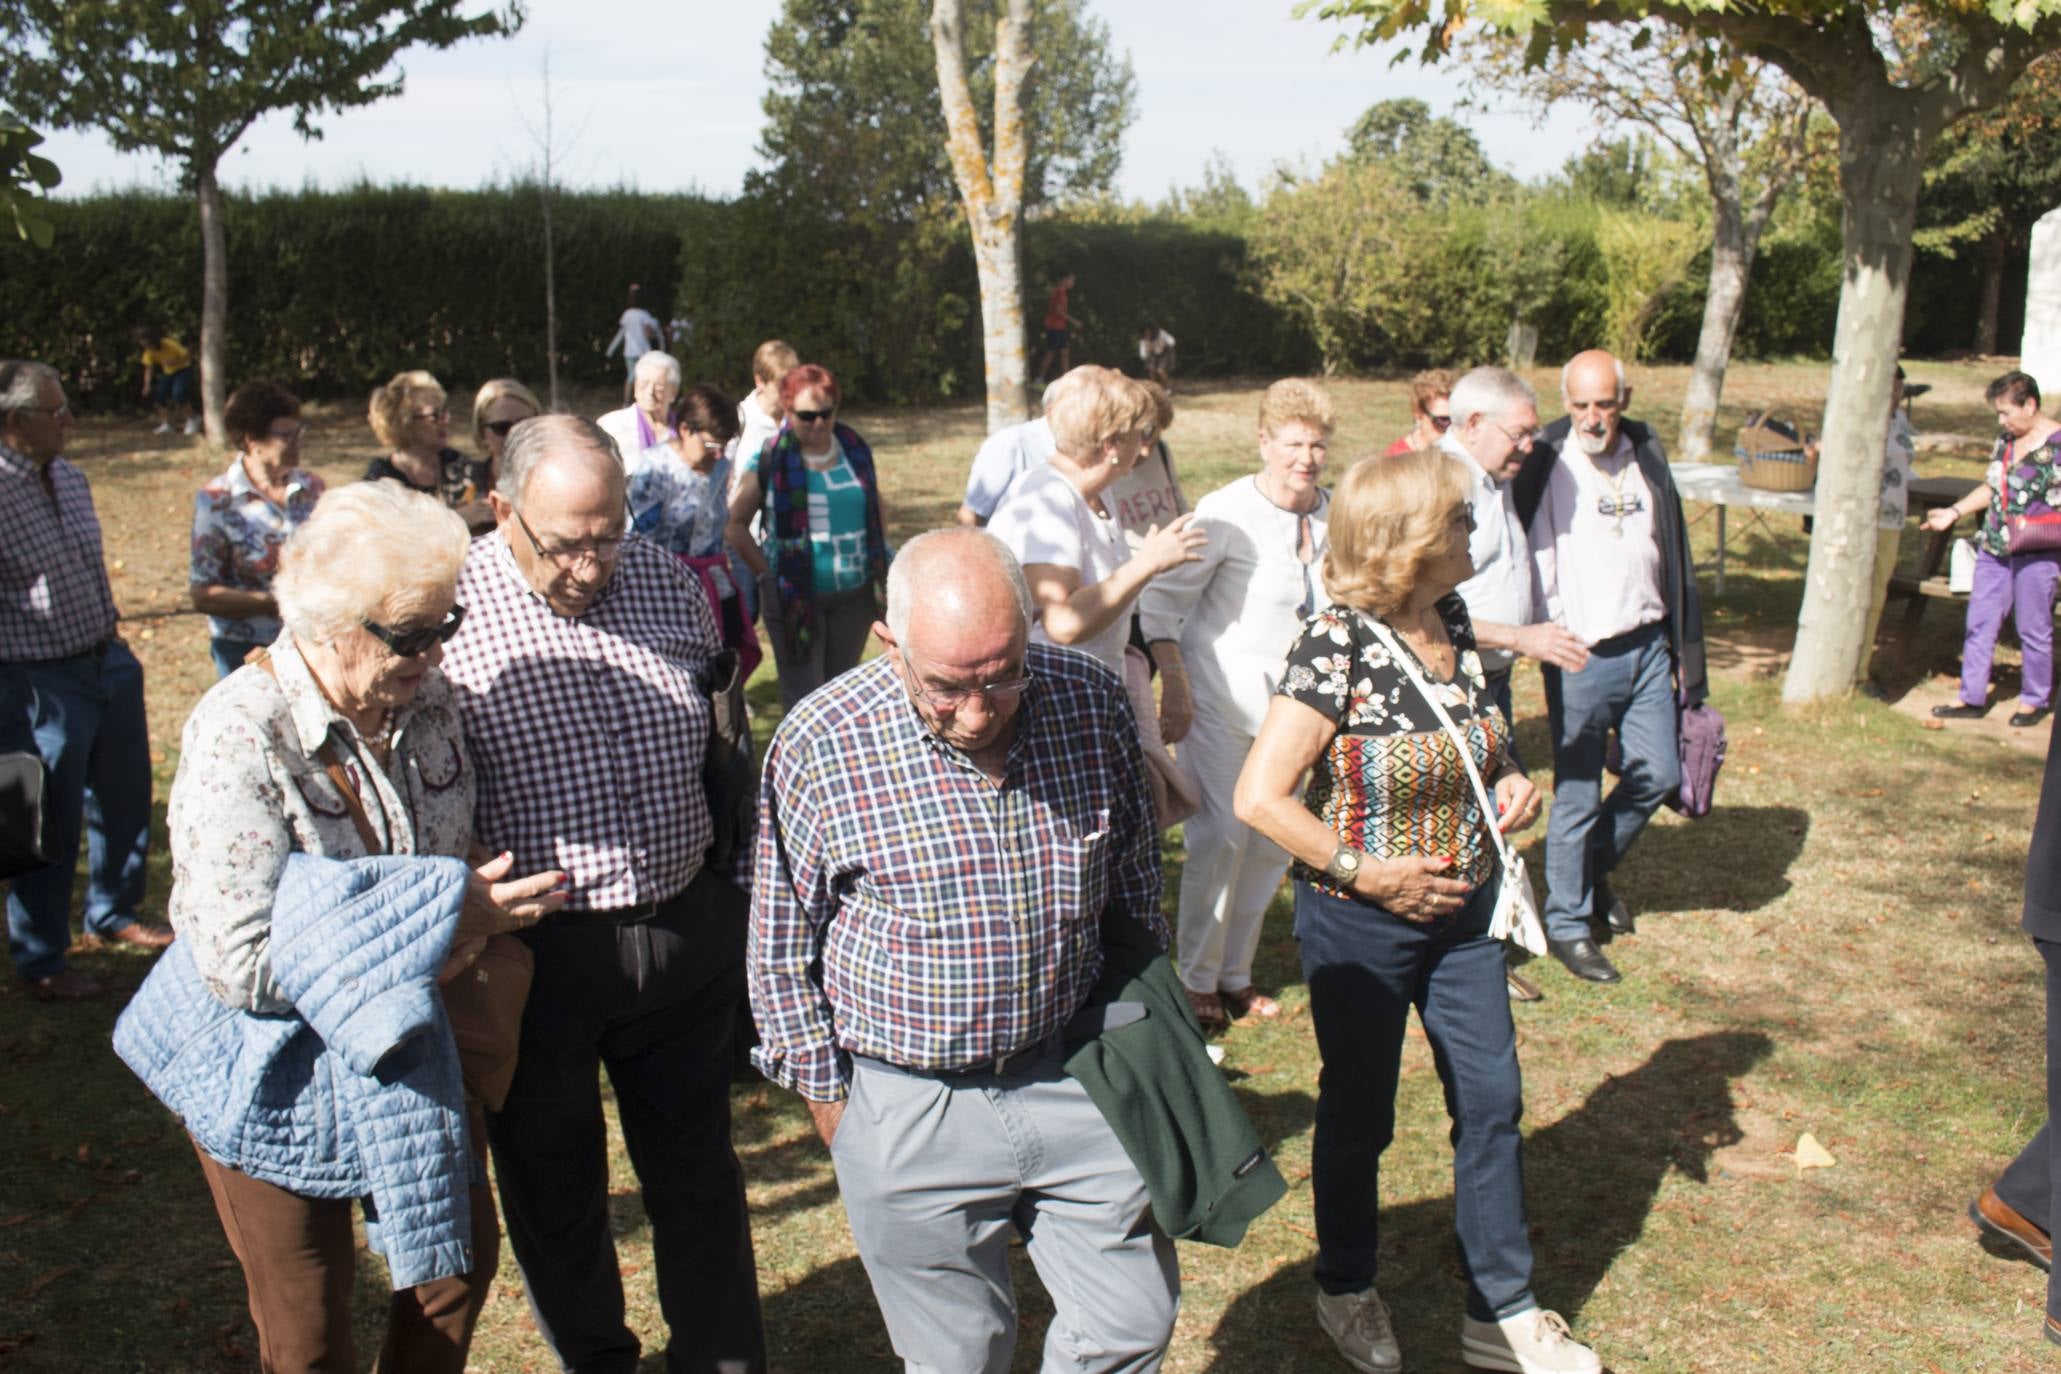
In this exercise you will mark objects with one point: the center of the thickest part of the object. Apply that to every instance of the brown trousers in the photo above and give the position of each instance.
(300, 1260)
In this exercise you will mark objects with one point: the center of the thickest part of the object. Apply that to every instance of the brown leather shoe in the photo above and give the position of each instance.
(1992, 1216)
(141, 934)
(66, 985)
(2053, 1331)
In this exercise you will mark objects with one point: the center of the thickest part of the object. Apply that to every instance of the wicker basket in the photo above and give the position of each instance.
(1774, 456)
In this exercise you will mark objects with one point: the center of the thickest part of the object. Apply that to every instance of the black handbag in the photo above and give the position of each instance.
(27, 841)
(730, 772)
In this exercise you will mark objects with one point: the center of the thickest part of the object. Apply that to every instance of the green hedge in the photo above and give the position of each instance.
(331, 292)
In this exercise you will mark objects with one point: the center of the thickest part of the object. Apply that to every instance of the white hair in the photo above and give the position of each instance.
(21, 383)
(656, 361)
(1489, 391)
(1615, 362)
(371, 551)
(907, 570)
(538, 438)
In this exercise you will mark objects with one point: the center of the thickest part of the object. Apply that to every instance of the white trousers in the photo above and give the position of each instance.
(1232, 872)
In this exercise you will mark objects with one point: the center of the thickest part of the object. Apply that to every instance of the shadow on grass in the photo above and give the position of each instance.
(1735, 859)
(1590, 1182)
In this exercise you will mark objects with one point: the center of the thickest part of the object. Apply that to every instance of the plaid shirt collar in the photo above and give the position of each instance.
(15, 465)
(504, 564)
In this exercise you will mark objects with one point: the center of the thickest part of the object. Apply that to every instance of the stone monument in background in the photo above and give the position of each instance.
(2040, 354)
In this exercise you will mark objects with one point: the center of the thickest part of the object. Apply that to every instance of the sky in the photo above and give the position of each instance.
(663, 95)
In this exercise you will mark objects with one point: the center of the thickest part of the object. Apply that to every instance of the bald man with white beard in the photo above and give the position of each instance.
(1610, 554)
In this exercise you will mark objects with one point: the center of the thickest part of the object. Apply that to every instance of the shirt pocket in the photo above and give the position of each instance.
(1081, 850)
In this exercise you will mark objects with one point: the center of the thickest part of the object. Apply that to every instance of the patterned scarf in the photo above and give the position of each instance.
(786, 479)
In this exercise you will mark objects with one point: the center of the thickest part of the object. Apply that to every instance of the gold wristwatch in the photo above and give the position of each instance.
(1344, 865)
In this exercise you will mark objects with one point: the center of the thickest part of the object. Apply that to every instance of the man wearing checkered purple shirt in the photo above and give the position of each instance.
(941, 833)
(70, 690)
(578, 675)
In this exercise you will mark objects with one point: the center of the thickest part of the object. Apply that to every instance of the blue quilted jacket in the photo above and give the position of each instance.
(356, 1093)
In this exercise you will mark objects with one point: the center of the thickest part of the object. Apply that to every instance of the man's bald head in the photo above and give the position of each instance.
(575, 453)
(957, 576)
(1592, 387)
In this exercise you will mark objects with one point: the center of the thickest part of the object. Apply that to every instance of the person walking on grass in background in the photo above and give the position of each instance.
(1431, 412)
(636, 334)
(1610, 550)
(815, 492)
(1156, 354)
(1058, 321)
(933, 1067)
(1397, 878)
(242, 518)
(2024, 478)
(1219, 629)
(167, 378)
(578, 675)
(74, 686)
(648, 419)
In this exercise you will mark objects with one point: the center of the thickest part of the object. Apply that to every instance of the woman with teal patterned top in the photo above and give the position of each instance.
(2023, 479)
(824, 562)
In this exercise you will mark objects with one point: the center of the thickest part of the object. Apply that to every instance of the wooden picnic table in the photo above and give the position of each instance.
(1930, 579)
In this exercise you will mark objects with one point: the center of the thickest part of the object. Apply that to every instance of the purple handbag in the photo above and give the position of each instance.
(1702, 731)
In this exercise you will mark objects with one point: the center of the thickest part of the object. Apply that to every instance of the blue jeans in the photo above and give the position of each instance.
(1365, 969)
(87, 715)
(227, 654)
(1628, 687)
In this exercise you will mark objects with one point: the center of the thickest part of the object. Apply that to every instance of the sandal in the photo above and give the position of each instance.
(1209, 1010)
(1249, 1001)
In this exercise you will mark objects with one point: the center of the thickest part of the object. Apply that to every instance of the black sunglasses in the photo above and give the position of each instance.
(809, 417)
(1440, 422)
(415, 643)
(501, 427)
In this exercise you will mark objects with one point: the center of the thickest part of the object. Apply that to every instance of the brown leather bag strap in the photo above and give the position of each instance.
(338, 774)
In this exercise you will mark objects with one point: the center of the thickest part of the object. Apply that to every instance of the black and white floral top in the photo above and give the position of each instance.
(1391, 782)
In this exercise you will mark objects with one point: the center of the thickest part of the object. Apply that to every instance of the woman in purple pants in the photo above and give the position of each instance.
(2023, 479)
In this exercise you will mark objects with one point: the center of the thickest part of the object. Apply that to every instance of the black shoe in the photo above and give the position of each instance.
(1584, 960)
(1617, 917)
(2025, 720)
(1960, 711)
(1875, 691)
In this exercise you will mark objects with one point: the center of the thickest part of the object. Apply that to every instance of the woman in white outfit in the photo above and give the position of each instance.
(1220, 630)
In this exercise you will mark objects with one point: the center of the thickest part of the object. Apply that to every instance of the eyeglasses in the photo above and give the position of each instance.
(1441, 423)
(499, 428)
(415, 643)
(951, 699)
(601, 550)
(61, 408)
(1519, 438)
(285, 436)
(810, 417)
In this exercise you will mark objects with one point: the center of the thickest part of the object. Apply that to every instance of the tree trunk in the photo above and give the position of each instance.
(1731, 263)
(214, 305)
(993, 204)
(1996, 253)
(1881, 162)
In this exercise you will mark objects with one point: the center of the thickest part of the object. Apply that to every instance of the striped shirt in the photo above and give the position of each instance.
(54, 597)
(587, 732)
(905, 908)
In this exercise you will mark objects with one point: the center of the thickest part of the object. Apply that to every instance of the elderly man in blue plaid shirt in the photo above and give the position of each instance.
(941, 832)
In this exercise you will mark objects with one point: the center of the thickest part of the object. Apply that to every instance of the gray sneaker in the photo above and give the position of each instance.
(1358, 1325)
(1534, 1342)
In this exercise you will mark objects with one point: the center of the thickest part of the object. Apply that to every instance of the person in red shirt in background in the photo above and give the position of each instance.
(1431, 403)
(1057, 322)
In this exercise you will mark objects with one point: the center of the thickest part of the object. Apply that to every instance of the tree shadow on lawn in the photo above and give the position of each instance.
(1735, 859)
(1590, 1182)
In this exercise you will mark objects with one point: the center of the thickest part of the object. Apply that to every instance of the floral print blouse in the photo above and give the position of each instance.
(251, 791)
(680, 510)
(237, 533)
(2016, 486)
(1391, 783)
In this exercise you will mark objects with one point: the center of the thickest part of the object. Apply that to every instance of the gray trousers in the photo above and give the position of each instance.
(843, 621)
(936, 1172)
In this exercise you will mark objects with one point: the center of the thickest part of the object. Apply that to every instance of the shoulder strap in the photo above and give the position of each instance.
(338, 774)
(1409, 666)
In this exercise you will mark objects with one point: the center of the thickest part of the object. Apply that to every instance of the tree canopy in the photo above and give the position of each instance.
(1438, 158)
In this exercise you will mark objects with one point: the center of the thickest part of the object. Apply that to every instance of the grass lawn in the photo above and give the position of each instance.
(1835, 950)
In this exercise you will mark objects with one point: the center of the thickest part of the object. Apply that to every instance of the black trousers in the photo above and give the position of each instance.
(2028, 1184)
(654, 1003)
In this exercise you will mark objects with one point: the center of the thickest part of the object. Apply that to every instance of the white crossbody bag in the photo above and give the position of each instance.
(1517, 909)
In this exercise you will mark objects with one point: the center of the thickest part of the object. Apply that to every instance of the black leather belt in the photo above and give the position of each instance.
(612, 916)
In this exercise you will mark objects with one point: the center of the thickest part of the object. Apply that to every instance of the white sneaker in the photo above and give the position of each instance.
(1534, 1342)
(1358, 1325)
(193, 426)
(165, 428)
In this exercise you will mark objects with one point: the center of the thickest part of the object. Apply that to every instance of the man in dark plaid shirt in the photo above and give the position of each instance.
(941, 831)
(578, 677)
(70, 690)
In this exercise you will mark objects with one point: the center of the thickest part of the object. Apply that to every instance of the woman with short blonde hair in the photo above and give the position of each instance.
(1396, 883)
(411, 418)
(342, 743)
(499, 406)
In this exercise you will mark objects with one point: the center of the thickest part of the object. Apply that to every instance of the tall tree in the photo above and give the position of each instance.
(1436, 155)
(1851, 55)
(991, 192)
(186, 80)
(1739, 120)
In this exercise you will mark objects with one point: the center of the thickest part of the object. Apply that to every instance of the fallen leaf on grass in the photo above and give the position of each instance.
(1932, 725)
(1809, 1154)
(43, 1281)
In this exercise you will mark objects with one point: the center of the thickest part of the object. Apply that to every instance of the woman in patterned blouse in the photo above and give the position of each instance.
(1395, 884)
(2024, 478)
